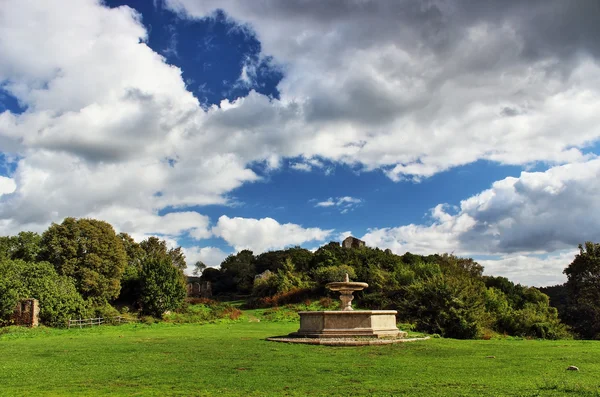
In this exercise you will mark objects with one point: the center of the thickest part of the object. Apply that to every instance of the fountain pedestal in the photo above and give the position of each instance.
(348, 323)
(345, 324)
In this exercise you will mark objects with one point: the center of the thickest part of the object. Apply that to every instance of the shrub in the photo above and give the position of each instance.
(57, 296)
(281, 282)
(105, 311)
(204, 312)
(162, 286)
(450, 306)
(296, 295)
(326, 302)
(201, 301)
(329, 274)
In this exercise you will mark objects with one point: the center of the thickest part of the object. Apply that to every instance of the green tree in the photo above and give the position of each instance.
(57, 295)
(583, 286)
(199, 267)
(238, 271)
(134, 251)
(450, 306)
(162, 286)
(89, 251)
(25, 246)
(328, 274)
(286, 279)
(153, 250)
(155, 247)
(130, 283)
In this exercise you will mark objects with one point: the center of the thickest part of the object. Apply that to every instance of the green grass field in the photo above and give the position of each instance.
(234, 359)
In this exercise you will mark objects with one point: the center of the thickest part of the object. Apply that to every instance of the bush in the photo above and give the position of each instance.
(326, 302)
(329, 274)
(292, 296)
(534, 320)
(450, 306)
(279, 283)
(57, 296)
(105, 311)
(162, 286)
(204, 312)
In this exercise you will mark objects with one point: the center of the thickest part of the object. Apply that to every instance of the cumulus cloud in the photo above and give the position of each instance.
(538, 212)
(342, 236)
(173, 224)
(344, 204)
(264, 234)
(540, 271)
(522, 219)
(107, 121)
(210, 256)
(7, 185)
(308, 165)
(417, 88)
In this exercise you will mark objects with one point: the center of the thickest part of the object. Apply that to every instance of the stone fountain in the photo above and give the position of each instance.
(347, 322)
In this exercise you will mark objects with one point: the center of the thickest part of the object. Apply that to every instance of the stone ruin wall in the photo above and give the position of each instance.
(27, 313)
(199, 289)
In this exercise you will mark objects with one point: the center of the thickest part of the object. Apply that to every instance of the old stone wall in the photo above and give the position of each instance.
(199, 289)
(27, 313)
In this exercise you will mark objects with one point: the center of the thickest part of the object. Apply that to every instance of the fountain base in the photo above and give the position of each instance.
(347, 324)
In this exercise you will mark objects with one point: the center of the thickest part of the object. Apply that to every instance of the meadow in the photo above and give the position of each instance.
(232, 358)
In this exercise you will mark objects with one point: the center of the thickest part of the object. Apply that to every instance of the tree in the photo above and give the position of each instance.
(130, 285)
(583, 288)
(58, 298)
(238, 272)
(88, 251)
(25, 246)
(450, 306)
(162, 286)
(134, 251)
(199, 267)
(153, 246)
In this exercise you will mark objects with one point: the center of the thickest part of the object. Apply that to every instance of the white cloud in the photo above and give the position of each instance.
(109, 127)
(210, 256)
(328, 203)
(523, 219)
(310, 164)
(416, 90)
(538, 212)
(7, 185)
(264, 234)
(342, 236)
(539, 271)
(173, 224)
(344, 204)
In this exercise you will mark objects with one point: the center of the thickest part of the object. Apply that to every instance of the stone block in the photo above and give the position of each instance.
(344, 324)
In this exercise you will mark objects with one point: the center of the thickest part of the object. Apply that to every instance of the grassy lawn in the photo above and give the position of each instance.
(234, 359)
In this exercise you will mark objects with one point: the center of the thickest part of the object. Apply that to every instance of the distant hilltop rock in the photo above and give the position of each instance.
(352, 242)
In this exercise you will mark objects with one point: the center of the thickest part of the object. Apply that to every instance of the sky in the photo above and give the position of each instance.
(469, 127)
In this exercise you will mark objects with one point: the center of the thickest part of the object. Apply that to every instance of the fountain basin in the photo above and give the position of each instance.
(346, 286)
(346, 324)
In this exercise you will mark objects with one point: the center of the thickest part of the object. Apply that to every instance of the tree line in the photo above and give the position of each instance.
(81, 267)
(441, 294)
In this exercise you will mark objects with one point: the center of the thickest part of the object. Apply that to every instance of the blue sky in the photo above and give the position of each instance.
(423, 127)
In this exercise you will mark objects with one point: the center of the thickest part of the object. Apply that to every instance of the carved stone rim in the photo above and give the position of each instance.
(348, 313)
(346, 286)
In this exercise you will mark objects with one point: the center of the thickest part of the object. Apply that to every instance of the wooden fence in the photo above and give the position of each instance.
(90, 322)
